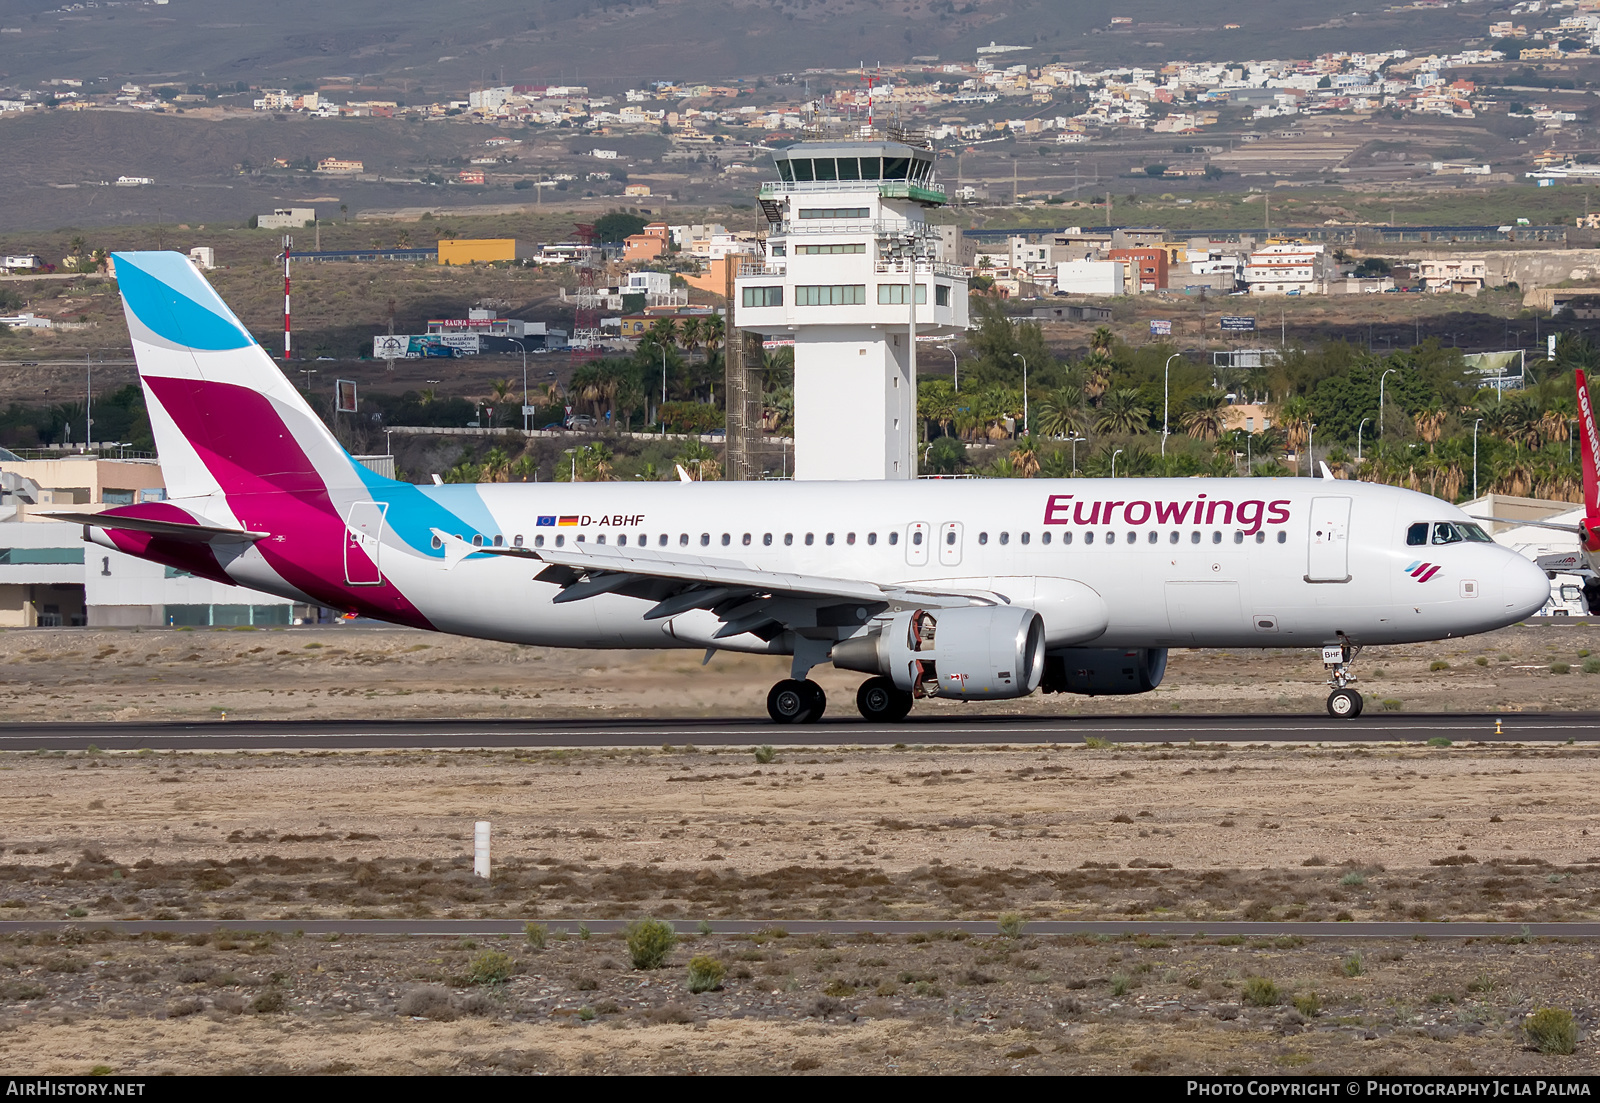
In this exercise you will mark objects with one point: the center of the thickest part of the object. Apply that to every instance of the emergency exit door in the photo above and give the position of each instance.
(363, 537)
(1328, 547)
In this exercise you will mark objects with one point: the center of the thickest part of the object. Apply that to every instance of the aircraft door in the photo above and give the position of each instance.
(1328, 554)
(917, 536)
(363, 534)
(950, 544)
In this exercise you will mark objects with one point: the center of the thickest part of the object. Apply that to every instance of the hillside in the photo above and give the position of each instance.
(414, 48)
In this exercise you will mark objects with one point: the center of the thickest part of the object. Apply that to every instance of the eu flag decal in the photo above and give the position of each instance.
(546, 523)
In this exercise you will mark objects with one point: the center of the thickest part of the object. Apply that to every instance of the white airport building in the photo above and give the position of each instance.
(849, 258)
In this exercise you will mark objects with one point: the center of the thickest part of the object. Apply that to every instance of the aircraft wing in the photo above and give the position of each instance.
(746, 598)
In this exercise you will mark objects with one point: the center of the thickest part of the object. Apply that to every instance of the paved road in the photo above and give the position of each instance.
(261, 735)
(455, 928)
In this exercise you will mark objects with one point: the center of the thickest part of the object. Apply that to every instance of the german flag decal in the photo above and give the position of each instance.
(565, 521)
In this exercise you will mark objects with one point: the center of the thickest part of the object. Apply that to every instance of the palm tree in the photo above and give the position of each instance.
(1294, 418)
(1556, 420)
(1430, 423)
(690, 334)
(1025, 458)
(711, 332)
(496, 466)
(502, 396)
(1061, 414)
(1121, 413)
(1096, 374)
(1203, 420)
(1102, 340)
(663, 332)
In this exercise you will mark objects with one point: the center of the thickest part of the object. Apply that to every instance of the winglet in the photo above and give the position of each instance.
(683, 476)
(1327, 472)
(1590, 440)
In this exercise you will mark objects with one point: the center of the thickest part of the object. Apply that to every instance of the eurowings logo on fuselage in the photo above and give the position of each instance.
(1060, 509)
(1422, 571)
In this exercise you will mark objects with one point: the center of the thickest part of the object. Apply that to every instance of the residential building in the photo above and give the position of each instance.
(334, 166)
(1090, 277)
(287, 218)
(1146, 268)
(1286, 268)
(203, 257)
(1461, 275)
(22, 262)
(648, 244)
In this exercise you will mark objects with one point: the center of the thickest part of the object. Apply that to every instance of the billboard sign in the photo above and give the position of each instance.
(344, 391)
(390, 347)
(1232, 323)
(1160, 327)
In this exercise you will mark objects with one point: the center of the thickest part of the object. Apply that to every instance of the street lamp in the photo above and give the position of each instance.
(659, 414)
(1024, 360)
(1381, 378)
(308, 373)
(573, 452)
(527, 414)
(957, 366)
(1073, 440)
(1166, 379)
(1475, 425)
(1360, 427)
(1114, 456)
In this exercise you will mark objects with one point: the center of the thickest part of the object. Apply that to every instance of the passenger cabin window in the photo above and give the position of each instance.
(894, 538)
(1417, 534)
(916, 539)
(517, 543)
(538, 541)
(983, 537)
(810, 539)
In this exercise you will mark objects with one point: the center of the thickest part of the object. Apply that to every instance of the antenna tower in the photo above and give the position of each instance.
(586, 318)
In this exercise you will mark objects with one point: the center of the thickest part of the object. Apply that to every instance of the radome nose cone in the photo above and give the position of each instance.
(1525, 586)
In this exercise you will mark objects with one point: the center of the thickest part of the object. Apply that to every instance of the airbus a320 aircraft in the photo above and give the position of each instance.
(972, 590)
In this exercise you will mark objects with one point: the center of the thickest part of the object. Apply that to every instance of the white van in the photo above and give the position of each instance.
(1566, 597)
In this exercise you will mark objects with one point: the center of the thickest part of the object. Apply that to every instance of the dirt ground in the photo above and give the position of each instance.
(1471, 831)
(376, 672)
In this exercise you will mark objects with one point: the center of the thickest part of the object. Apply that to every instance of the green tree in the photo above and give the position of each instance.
(617, 225)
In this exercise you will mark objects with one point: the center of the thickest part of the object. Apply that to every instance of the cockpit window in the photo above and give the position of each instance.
(1445, 533)
(1417, 534)
(1474, 533)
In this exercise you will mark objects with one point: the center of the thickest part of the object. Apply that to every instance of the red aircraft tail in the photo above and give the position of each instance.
(1590, 443)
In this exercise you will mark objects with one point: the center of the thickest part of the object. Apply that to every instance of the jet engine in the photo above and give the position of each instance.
(1104, 671)
(979, 653)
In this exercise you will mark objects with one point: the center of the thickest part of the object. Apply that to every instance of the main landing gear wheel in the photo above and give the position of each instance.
(796, 702)
(1344, 704)
(881, 700)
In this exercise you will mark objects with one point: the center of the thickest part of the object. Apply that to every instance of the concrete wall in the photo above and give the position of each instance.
(847, 380)
(1527, 268)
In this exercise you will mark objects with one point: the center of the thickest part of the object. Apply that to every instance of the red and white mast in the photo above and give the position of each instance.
(288, 242)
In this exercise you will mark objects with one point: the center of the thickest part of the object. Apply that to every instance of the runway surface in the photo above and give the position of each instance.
(455, 928)
(847, 730)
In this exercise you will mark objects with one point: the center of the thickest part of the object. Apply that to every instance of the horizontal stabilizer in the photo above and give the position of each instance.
(1576, 530)
(172, 530)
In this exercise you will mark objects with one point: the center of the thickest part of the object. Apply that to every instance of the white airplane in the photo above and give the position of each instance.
(972, 590)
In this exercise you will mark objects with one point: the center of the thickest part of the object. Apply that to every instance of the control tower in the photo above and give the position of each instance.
(849, 274)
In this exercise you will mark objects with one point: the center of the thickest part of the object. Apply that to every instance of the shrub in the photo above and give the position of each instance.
(431, 1001)
(1481, 661)
(1308, 1004)
(1551, 1030)
(269, 1002)
(490, 967)
(536, 934)
(1261, 992)
(649, 942)
(705, 973)
(1096, 743)
(1010, 924)
(1560, 668)
(1353, 966)
(1392, 704)
(1353, 880)
(1439, 741)
(765, 754)
(1438, 664)
(1591, 666)
(1120, 983)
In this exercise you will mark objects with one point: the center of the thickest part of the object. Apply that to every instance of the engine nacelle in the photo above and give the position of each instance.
(1104, 671)
(980, 653)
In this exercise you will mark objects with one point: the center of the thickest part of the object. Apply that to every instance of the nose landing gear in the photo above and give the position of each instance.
(792, 701)
(1343, 703)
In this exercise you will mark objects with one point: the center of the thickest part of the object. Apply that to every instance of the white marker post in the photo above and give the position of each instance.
(480, 849)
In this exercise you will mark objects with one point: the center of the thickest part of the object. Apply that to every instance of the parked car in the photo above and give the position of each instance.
(578, 422)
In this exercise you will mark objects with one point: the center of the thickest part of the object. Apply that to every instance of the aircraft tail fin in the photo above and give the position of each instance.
(1589, 443)
(226, 420)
